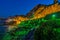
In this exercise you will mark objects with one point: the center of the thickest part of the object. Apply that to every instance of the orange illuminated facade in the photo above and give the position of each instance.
(39, 11)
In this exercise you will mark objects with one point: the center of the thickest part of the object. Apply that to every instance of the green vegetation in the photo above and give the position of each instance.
(23, 29)
(50, 29)
(53, 16)
(46, 29)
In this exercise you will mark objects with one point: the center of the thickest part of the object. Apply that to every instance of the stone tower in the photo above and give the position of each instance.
(55, 1)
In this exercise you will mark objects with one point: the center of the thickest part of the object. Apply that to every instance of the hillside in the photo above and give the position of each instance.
(42, 24)
(39, 22)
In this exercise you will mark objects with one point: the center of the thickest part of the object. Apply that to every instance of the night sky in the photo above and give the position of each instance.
(18, 7)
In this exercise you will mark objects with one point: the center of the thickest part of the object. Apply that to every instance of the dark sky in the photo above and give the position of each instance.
(18, 7)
